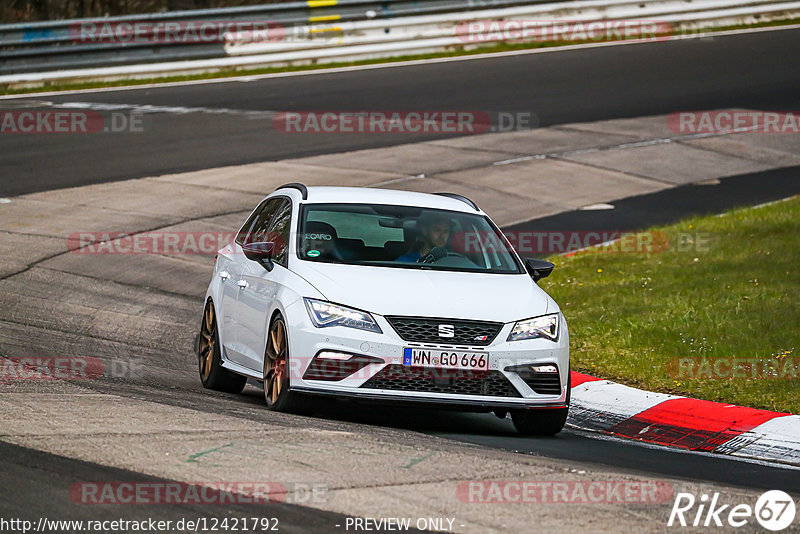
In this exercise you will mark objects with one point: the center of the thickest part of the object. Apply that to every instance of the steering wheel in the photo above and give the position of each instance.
(431, 258)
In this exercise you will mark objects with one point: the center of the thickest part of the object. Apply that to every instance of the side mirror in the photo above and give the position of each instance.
(538, 269)
(260, 252)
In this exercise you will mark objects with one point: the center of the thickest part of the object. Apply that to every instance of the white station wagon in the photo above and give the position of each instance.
(380, 295)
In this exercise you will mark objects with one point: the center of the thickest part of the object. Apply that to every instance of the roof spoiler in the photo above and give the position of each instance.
(462, 198)
(295, 185)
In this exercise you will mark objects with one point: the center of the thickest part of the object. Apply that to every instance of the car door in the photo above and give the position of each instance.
(230, 270)
(260, 287)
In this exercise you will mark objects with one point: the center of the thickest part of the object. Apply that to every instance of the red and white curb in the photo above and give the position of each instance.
(610, 408)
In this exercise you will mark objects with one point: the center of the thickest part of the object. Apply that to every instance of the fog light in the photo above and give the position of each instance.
(542, 378)
(330, 355)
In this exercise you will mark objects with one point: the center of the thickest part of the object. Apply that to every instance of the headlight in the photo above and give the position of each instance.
(324, 314)
(545, 326)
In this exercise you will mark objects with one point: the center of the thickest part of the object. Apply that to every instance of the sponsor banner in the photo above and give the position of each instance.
(564, 492)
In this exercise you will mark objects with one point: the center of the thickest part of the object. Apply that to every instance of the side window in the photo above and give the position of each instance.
(279, 232)
(255, 229)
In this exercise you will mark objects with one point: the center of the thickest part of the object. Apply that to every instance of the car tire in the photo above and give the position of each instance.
(276, 373)
(543, 422)
(212, 374)
(547, 422)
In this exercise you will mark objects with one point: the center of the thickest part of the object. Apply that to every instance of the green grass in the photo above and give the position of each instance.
(9, 89)
(732, 294)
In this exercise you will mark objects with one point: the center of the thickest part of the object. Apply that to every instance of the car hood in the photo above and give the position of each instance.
(426, 293)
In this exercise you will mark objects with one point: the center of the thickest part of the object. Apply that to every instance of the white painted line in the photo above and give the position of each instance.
(397, 180)
(395, 64)
(178, 110)
(762, 205)
(772, 202)
(517, 160)
(597, 207)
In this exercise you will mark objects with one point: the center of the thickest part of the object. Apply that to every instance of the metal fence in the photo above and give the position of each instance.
(60, 45)
(315, 31)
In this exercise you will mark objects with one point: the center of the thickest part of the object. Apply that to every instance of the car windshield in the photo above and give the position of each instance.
(403, 237)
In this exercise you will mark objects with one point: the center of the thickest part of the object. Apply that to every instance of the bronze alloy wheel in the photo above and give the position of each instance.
(276, 373)
(208, 342)
(209, 357)
(275, 363)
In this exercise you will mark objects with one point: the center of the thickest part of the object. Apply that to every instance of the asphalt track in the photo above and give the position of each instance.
(41, 482)
(671, 205)
(36, 484)
(755, 70)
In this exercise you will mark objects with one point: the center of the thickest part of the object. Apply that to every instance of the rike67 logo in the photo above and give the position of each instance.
(774, 510)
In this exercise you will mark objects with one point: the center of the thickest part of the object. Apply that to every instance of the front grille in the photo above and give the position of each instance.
(453, 381)
(425, 330)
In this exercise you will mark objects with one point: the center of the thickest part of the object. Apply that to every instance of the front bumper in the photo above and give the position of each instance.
(306, 341)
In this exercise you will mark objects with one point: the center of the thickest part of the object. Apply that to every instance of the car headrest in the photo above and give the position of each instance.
(318, 227)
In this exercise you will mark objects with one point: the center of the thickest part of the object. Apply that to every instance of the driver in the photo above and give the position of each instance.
(435, 231)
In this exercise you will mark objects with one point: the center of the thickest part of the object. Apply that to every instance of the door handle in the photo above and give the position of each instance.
(224, 275)
(242, 284)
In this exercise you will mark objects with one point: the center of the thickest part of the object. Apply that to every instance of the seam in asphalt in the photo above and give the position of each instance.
(72, 251)
(611, 169)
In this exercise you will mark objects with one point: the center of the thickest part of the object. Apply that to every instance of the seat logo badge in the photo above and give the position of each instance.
(447, 330)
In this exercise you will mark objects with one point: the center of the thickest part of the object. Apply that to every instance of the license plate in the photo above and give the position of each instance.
(445, 359)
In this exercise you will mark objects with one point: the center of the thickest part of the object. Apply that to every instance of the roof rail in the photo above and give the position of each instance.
(295, 185)
(462, 198)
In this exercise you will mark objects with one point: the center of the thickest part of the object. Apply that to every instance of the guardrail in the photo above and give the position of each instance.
(320, 31)
(59, 44)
